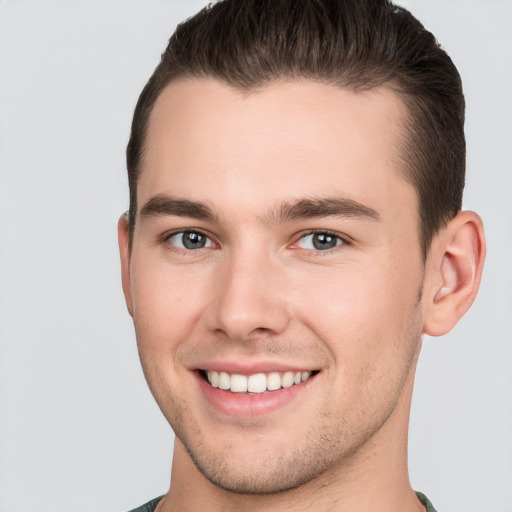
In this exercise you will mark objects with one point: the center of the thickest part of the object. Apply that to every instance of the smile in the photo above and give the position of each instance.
(256, 383)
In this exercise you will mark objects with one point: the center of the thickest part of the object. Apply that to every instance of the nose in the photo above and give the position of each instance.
(249, 299)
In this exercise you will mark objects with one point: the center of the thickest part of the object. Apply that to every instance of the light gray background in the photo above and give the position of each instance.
(78, 429)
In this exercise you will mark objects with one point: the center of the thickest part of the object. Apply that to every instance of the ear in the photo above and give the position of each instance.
(123, 236)
(454, 270)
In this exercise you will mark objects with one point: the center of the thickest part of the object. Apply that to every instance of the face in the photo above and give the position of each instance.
(275, 278)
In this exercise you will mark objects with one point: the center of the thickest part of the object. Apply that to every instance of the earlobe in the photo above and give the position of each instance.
(123, 236)
(455, 265)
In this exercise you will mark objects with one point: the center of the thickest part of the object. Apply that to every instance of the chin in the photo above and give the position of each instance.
(259, 471)
(268, 477)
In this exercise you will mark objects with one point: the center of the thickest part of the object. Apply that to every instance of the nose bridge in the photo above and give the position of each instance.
(249, 297)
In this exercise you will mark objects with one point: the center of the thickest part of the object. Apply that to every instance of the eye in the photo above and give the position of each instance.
(190, 240)
(320, 241)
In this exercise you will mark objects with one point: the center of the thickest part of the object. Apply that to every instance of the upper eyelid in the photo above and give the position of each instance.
(345, 238)
(173, 232)
(164, 238)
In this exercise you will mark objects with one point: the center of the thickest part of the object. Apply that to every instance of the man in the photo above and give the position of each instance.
(296, 170)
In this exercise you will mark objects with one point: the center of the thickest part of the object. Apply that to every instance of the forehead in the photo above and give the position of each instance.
(283, 142)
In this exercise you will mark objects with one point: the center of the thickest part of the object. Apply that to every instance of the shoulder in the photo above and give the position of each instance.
(426, 502)
(149, 506)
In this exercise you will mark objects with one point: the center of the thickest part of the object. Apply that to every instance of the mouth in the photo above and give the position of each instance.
(257, 383)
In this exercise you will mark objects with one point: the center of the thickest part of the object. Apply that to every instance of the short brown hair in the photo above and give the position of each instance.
(355, 44)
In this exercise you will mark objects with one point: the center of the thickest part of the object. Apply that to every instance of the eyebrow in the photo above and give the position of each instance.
(308, 208)
(321, 207)
(163, 204)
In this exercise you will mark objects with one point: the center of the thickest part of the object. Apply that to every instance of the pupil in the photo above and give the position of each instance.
(324, 241)
(194, 240)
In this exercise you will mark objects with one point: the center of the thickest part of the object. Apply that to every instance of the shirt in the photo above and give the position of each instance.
(151, 505)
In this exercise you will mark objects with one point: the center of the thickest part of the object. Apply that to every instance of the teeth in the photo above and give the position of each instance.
(224, 380)
(213, 377)
(287, 379)
(257, 383)
(238, 383)
(273, 381)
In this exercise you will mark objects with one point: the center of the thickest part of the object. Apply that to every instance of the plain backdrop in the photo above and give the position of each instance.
(79, 431)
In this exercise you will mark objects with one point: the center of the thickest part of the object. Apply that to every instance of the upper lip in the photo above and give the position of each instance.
(252, 368)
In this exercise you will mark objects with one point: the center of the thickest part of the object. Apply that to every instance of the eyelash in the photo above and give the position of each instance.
(167, 239)
(341, 240)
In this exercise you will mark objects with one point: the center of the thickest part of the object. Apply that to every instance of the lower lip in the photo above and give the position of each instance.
(246, 405)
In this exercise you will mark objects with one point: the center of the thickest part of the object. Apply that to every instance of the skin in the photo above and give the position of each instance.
(260, 294)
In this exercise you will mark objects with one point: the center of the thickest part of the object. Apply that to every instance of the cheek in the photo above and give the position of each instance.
(368, 321)
(361, 313)
(167, 303)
